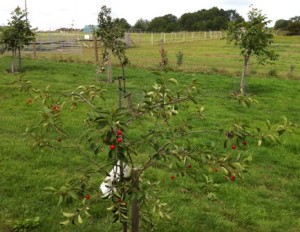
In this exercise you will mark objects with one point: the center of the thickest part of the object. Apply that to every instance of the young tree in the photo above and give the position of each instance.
(253, 38)
(16, 35)
(111, 35)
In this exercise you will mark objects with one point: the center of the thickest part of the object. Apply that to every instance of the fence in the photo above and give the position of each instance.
(184, 36)
(56, 42)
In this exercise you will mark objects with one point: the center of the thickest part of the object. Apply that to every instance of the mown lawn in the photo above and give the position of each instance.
(265, 200)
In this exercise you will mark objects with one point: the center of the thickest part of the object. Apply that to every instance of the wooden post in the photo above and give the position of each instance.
(120, 91)
(109, 69)
(152, 41)
(135, 206)
(129, 100)
(96, 49)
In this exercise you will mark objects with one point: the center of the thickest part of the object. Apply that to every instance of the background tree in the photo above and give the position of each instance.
(294, 26)
(141, 24)
(166, 23)
(281, 24)
(16, 35)
(122, 23)
(212, 19)
(253, 38)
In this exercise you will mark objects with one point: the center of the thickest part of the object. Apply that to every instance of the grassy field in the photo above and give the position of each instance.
(266, 200)
(208, 56)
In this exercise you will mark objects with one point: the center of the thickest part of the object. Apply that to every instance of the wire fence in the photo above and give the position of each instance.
(74, 42)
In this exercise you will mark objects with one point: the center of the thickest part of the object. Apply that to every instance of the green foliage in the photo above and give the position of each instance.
(179, 57)
(17, 34)
(111, 34)
(25, 225)
(141, 25)
(292, 26)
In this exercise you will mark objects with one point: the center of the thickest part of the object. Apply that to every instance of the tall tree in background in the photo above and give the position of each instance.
(253, 38)
(293, 26)
(16, 35)
(141, 25)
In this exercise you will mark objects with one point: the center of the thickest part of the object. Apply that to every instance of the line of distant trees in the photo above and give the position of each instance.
(213, 19)
(291, 26)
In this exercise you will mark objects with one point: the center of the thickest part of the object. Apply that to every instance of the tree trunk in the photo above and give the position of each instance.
(124, 224)
(20, 61)
(135, 206)
(243, 80)
(34, 49)
(96, 49)
(109, 69)
(13, 63)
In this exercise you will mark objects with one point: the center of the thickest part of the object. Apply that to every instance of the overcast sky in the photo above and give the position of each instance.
(53, 14)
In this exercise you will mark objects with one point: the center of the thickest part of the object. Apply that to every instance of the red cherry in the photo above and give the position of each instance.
(216, 169)
(189, 166)
(119, 140)
(87, 196)
(232, 178)
(233, 147)
(112, 147)
(172, 177)
(119, 132)
(245, 142)
(56, 108)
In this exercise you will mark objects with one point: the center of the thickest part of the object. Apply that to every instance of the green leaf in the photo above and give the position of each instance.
(73, 195)
(173, 80)
(65, 223)
(60, 200)
(259, 142)
(50, 188)
(87, 213)
(237, 165)
(249, 158)
(79, 219)
(68, 215)
(225, 171)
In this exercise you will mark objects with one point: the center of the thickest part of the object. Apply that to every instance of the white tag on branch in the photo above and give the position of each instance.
(114, 175)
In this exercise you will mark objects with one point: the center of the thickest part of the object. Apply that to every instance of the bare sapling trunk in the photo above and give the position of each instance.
(20, 61)
(34, 49)
(13, 63)
(244, 75)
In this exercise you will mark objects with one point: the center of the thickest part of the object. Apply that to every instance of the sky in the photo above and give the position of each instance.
(53, 14)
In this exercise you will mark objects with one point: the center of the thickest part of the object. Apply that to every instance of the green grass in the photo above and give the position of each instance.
(266, 200)
(210, 56)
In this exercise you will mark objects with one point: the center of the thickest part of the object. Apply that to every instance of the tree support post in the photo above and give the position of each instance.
(120, 91)
(135, 206)
(96, 49)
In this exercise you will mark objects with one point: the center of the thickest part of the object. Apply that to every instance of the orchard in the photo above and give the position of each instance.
(138, 147)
